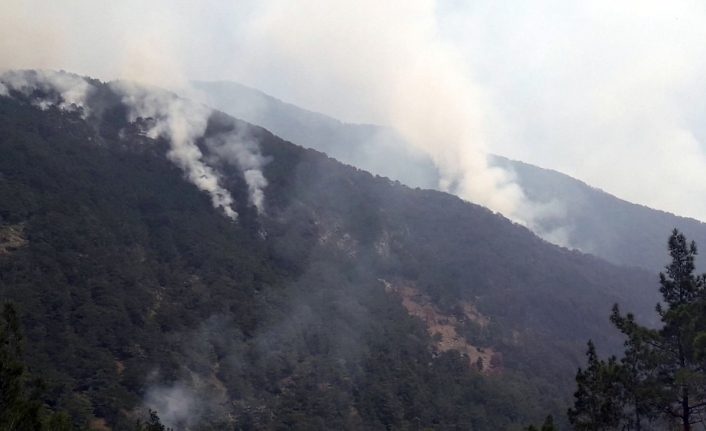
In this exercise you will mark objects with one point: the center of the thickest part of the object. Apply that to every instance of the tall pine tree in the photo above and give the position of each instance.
(664, 367)
(597, 405)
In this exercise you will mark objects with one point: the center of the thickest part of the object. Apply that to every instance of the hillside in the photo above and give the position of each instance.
(594, 222)
(372, 148)
(343, 301)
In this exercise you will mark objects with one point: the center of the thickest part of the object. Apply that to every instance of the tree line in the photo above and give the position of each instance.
(660, 381)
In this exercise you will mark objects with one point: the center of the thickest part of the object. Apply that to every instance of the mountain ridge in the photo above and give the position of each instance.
(137, 289)
(586, 218)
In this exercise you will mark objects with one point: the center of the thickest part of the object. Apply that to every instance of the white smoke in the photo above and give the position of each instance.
(256, 184)
(608, 92)
(177, 405)
(389, 55)
(242, 151)
(182, 122)
(546, 220)
(71, 89)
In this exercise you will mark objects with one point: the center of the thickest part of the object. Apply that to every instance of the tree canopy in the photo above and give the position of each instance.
(661, 378)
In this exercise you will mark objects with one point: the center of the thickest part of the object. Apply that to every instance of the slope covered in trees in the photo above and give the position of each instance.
(135, 291)
(601, 224)
(591, 220)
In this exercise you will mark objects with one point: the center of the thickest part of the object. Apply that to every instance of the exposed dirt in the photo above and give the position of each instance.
(11, 238)
(99, 424)
(420, 306)
(472, 313)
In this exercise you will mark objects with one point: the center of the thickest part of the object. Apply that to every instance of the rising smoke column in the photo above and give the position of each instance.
(241, 150)
(181, 121)
(391, 63)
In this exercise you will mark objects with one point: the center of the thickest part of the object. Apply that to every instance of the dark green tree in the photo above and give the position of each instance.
(597, 401)
(637, 379)
(676, 390)
(18, 410)
(152, 424)
(21, 406)
(548, 425)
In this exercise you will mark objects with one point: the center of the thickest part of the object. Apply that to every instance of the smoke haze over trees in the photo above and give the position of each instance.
(282, 317)
(172, 266)
(576, 215)
(627, 121)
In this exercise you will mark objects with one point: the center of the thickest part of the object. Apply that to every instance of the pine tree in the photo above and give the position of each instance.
(597, 401)
(637, 378)
(668, 370)
(547, 426)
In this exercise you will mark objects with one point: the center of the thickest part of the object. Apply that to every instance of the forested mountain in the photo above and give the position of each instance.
(335, 300)
(594, 221)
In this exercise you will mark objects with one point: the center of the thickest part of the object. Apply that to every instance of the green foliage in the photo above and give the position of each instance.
(597, 399)
(548, 425)
(152, 424)
(128, 279)
(662, 374)
(618, 231)
(18, 409)
(21, 407)
(676, 381)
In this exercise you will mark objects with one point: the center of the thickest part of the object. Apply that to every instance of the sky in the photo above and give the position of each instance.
(609, 92)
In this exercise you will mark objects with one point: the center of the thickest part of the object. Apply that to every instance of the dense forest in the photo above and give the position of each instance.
(351, 302)
(585, 218)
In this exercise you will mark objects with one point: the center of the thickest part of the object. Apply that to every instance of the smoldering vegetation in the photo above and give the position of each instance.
(49, 88)
(281, 318)
(381, 151)
(567, 212)
(182, 123)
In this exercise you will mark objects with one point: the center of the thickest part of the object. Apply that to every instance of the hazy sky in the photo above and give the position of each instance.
(610, 92)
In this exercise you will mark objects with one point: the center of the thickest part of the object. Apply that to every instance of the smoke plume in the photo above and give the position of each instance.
(180, 121)
(177, 405)
(404, 76)
(388, 58)
(65, 90)
(241, 150)
(608, 92)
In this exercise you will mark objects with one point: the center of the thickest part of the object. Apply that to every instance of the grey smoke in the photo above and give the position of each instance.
(608, 92)
(241, 150)
(178, 405)
(402, 73)
(376, 149)
(196, 393)
(72, 90)
(182, 122)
